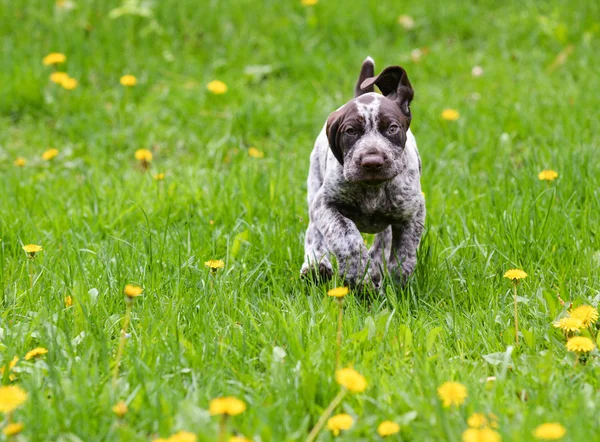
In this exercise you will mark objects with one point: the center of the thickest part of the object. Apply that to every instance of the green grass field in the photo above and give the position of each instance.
(254, 330)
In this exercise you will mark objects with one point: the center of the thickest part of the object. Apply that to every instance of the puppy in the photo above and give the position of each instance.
(364, 176)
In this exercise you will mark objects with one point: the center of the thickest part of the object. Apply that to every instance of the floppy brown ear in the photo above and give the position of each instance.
(332, 129)
(393, 82)
(366, 71)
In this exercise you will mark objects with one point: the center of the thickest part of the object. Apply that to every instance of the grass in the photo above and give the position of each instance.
(254, 330)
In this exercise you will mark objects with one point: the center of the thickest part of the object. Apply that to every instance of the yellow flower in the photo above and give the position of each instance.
(239, 439)
(133, 291)
(39, 351)
(68, 301)
(569, 324)
(452, 393)
(49, 154)
(230, 406)
(450, 114)
(20, 162)
(12, 429)
(217, 87)
(143, 155)
(515, 274)
(407, 22)
(128, 80)
(69, 83)
(350, 379)
(159, 176)
(340, 422)
(214, 264)
(338, 292)
(11, 365)
(481, 435)
(580, 344)
(255, 153)
(477, 420)
(54, 58)
(58, 77)
(547, 175)
(549, 431)
(120, 409)
(387, 428)
(11, 398)
(309, 2)
(587, 314)
(32, 249)
(183, 436)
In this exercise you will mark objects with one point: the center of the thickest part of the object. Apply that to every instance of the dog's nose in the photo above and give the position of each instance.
(372, 162)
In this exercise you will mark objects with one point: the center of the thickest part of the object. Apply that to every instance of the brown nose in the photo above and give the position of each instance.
(372, 162)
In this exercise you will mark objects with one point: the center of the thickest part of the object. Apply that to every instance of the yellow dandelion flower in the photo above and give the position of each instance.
(477, 420)
(239, 439)
(255, 153)
(450, 115)
(39, 351)
(143, 155)
(338, 292)
(549, 431)
(217, 87)
(547, 175)
(128, 80)
(159, 176)
(515, 274)
(587, 314)
(120, 409)
(481, 435)
(11, 365)
(407, 22)
(350, 379)
(54, 58)
(20, 162)
(49, 154)
(32, 249)
(58, 77)
(569, 324)
(133, 291)
(230, 406)
(214, 264)
(452, 393)
(11, 398)
(68, 301)
(388, 428)
(183, 436)
(69, 83)
(13, 429)
(309, 2)
(580, 344)
(339, 422)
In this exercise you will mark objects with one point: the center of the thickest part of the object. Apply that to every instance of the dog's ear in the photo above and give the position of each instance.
(332, 129)
(394, 84)
(366, 71)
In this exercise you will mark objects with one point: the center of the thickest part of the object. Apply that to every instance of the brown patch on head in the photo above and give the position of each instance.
(338, 123)
(366, 99)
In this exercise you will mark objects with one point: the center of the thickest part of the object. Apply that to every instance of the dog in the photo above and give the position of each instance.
(364, 176)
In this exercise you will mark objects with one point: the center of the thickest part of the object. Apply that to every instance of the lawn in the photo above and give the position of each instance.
(523, 77)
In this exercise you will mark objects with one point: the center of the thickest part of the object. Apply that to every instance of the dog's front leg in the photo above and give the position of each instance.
(405, 242)
(344, 240)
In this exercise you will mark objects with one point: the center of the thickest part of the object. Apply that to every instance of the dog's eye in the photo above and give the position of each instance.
(350, 131)
(393, 129)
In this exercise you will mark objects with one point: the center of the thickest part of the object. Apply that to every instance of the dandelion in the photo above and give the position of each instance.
(128, 80)
(229, 405)
(452, 393)
(144, 156)
(12, 364)
(54, 58)
(388, 428)
(20, 162)
(587, 314)
(339, 422)
(569, 324)
(217, 87)
(32, 249)
(39, 351)
(547, 175)
(515, 275)
(549, 431)
(477, 420)
(11, 398)
(68, 301)
(351, 380)
(407, 22)
(183, 436)
(132, 291)
(50, 154)
(13, 429)
(69, 83)
(309, 2)
(120, 409)
(239, 439)
(450, 115)
(481, 435)
(253, 152)
(214, 265)
(339, 293)
(580, 344)
(159, 176)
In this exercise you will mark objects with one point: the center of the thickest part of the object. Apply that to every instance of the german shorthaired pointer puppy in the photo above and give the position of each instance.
(365, 177)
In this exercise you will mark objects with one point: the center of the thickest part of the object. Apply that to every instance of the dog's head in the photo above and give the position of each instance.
(368, 134)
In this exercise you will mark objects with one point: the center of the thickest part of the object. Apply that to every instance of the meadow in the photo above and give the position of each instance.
(155, 174)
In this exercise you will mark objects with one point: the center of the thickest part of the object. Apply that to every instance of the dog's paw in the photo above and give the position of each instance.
(361, 276)
(319, 271)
